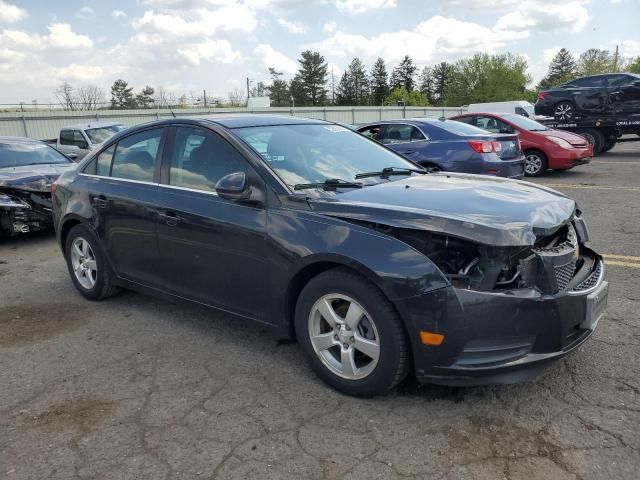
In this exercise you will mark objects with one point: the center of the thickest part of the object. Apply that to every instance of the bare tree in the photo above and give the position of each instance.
(89, 97)
(236, 97)
(160, 97)
(65, 95)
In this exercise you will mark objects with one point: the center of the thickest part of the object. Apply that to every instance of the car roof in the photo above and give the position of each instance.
(410, 121)
(256, 120)
(25, 140)
(82, 126)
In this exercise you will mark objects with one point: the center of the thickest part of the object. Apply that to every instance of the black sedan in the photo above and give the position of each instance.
(27, 169)
(376, 266)
(609, 94)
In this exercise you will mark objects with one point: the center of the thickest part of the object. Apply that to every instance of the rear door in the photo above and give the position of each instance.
(124, 194)
(624, 94)
(212, 250)
(590, 94)
(407, 140)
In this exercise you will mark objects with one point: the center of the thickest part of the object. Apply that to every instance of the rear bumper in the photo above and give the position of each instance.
(514, 168)
(499, 337)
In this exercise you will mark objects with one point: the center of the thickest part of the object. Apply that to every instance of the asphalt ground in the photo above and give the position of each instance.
(135, 387)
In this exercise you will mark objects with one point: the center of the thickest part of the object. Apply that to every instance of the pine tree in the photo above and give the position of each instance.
(379, 82)
(122, 95)
(404, 75)
(561, 69)
(441, 74)
(312, 76)
(278, 91)
(427, 83)
(144, 99)
(345, 94)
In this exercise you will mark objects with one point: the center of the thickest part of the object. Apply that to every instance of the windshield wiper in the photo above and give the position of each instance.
(329, 184)
(388, 171)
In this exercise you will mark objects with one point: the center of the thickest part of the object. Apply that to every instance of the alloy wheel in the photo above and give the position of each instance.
(344, 336)
(532, 164)
(564, 111)
(83, 262)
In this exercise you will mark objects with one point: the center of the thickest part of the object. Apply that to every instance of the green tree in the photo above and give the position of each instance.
(562, 68)
(354, 85)
(404, 74)
(312, 78)
(595, 61)
(427, 83)
(144, 99)
(379, 82)
(122, 95)
(410, 99)
(441, 78)
(278, 91)
(634, 67)
(488, 78)
(297, 91)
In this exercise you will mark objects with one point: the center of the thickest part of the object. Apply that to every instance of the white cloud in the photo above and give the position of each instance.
(60, 37)
(9, 13)
(209, 49)
(545, 16)
(296, 28)
(86, 13)
(355, 7)
(269, 57)
(437, 37)
(118, 15)
(329, 27)
(628, 48)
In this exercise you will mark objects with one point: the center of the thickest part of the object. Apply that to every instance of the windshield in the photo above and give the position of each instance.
(20, 153)
(102, 134)
(526, 123)
(459, 128)
(301, 154)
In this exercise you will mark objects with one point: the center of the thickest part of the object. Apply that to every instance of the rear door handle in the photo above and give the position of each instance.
(101, 201)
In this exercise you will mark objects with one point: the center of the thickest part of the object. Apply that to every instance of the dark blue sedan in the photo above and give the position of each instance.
(450, 146)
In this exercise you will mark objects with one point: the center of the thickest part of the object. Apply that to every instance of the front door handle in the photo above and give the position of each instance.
(170, 218)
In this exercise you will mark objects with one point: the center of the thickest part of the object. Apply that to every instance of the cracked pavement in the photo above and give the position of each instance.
(135, 387)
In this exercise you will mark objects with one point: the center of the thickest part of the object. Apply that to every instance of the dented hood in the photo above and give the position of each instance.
(32, 178)
(489, 210)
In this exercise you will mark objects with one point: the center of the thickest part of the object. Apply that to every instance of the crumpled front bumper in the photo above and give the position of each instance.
(499, 337)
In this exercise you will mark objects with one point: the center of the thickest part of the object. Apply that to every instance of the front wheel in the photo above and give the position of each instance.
(535, 163)
(352, 335)
(87, 265)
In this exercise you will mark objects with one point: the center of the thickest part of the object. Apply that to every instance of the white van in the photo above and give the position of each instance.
(519, 107)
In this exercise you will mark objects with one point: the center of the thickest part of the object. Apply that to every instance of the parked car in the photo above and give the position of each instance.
(609, 94)
(544, 148)
(76, 141)
(27, 169)
(447, 145)
(376, 266)
(519, 107)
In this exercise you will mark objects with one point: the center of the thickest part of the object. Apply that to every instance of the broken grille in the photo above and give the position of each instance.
(591, 281)
(564, 274)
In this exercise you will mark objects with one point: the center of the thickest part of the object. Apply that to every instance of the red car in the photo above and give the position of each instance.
(543, 147)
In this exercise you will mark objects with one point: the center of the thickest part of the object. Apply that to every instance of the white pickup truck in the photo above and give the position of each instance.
(75, 141)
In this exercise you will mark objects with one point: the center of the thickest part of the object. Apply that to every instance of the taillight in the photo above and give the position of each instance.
(541, 95)
(497, 146)
(481, 147)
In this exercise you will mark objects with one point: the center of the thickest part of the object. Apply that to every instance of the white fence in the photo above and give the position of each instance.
(46, 124)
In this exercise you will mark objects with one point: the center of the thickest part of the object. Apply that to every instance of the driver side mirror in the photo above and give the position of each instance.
(234, 186)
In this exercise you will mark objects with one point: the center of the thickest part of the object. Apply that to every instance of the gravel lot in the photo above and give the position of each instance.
(136, 387)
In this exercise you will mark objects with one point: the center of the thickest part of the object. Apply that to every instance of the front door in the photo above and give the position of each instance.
(212, 250)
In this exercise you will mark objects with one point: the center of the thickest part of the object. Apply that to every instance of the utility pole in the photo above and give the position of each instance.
(248, 82)
(615, 60)
(204, 96)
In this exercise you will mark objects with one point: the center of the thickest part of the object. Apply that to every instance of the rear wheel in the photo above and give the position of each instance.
(595, 138)
(564, 111)
(535, 163)
(351, 334)
(608, 146)
(87, 265)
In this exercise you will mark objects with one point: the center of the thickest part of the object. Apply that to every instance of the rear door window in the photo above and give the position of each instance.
(401, 134)
(104, 162)
(135, 156)
(493, 125)
(372, 132)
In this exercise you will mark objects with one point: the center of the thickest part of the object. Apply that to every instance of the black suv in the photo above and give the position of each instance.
(610, 94)
(376, 266)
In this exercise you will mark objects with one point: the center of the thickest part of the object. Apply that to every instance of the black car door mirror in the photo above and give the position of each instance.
(234, 186)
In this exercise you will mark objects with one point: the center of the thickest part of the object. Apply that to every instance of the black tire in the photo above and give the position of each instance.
(564, 110)
(608, 146)
(535, 163)
(103, 286)
(393, 362)
(595, 138)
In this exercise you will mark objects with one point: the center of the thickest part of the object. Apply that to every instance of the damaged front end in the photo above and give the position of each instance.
(23, 212)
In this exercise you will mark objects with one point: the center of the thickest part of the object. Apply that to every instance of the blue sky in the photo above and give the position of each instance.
(189, 45)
